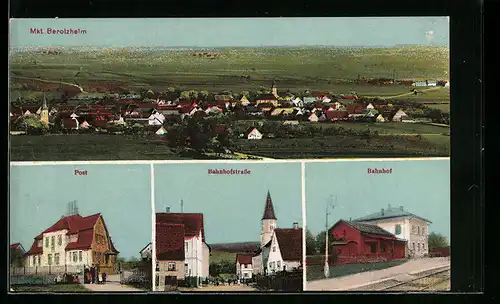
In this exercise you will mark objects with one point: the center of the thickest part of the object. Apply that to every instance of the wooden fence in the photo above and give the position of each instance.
(56, 270)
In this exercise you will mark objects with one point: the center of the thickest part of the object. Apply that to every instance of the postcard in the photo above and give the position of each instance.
(218, 88)
(85, 228)
(378, 225)
(228, 231)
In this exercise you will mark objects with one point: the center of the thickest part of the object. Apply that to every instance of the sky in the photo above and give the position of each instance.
(232, 205)
(242, 32)
(121, 193)
(422, 187)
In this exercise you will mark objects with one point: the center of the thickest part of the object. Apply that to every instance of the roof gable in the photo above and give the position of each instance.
(193, 222)
(390, 212)
(170, 241)
(290, 243)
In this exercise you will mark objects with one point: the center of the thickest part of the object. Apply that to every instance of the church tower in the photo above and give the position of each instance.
(274, 89)
(44, 113)
(268, 222)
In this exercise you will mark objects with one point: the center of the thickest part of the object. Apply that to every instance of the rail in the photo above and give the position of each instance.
(421, 283)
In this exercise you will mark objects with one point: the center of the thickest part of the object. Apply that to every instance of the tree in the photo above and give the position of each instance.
(16, 257)
(31, 124)
(203, 95)
(185, 95)
(320, 242)
(436, 241)
(310, 243)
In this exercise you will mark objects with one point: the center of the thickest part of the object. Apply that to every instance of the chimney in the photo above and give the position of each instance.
(295, 225)
(382, 211)
(401, 208)
(388, 206)
(350, 219)
(167, 209)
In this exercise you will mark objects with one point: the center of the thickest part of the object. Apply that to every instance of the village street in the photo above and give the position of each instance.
(112, 285)
(358, 280)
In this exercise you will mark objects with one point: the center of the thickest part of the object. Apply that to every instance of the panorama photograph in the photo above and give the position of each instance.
(233, 88)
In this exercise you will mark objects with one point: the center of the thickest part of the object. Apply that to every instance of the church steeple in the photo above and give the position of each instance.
(274, 89)
(268, 222)
(44, 105)
(44, 112)
(269, 209)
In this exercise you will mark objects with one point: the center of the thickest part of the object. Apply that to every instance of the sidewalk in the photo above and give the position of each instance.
(111, 287)
(365, 278)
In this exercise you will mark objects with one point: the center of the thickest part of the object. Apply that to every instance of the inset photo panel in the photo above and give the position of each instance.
(228, 227)
(80, 228)
(380, 225)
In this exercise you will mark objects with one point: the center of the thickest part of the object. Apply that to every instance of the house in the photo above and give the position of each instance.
(181, 247)
(355, 110)
(309, 100)
(253, 110)
(17, 246)
(161, 131)
(223, 98)
(405, 225)
(267, 99)
(286, 250)
(370, 106)
(356, 242)
(380, 118)
(213, 110)
(244, 101)
(399, 115)
(253, 133)
(72, 243)
(313, 117)
(297, 102)
(244, 268)
(267, 225)
(156, 119)
(146, 252)
(336, 115)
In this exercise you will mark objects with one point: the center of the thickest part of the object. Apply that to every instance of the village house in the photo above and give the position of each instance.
(399, 115)
(336, 115)
(72, 243)
(244, 269)
(181, 249)
(380, 118)
(405, 225)
(253, 133)
(146, 252)
(18, 246)
(356, 242)
(156, 118)
(280, 249)
(161, 131)
(313, 117)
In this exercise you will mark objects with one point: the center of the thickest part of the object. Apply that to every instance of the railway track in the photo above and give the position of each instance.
(432, 281)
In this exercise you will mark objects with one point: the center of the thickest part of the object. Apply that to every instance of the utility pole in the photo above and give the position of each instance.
(329, 204)
(182, 206)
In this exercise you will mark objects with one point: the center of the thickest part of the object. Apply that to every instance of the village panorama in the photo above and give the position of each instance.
(228, 103)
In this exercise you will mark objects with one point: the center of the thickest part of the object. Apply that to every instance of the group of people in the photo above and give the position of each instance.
(92, 275)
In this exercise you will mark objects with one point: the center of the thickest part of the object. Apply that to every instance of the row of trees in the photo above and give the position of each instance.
(216, 269)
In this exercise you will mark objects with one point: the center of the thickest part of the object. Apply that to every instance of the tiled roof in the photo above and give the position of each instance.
(244, 258)
(290, 243)
(369, 228)
(269, 209)
(193, 222)
(390, 212)
(17, 246)
(74, 224)
(331, 115)
(170, 241)
(355, 108)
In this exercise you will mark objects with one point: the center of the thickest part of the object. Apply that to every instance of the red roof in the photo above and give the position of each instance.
(335, 115)
(350, 97)
(290, 243)
(193, 222)
(244, 258)
(74, 224)
(170, 241)
(355, 108)
(16, 246)
(69, 123)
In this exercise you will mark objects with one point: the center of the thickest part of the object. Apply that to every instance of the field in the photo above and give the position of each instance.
(316, 272)
(87, 147)
(235, 69)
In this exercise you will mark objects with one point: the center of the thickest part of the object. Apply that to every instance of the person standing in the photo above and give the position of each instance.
(92, 273)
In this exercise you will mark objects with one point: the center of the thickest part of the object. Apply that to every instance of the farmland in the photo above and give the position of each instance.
(236, 69)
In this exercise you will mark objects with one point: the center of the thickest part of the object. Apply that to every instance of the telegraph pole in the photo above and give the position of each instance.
(182, 206)
(329, 203)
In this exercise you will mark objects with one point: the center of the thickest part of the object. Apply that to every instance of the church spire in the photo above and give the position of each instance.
(269, 209)
(44, 105)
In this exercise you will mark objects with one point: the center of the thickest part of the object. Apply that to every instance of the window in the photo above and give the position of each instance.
(157, 283)
(246, 265)
(186, 247)
(278, 265)
(157, 267)
(186, 269)
(39, 259)
(171, 266)
(59, 240)
(397, 230)
(34, 260)
(274, 248)
(56, 258)
(418, 247)
(52, 242)
(75, 257)
(80, 257)
(413, 246)
(373, 247)
(245, 275)
(50, 259)
(418, 230)
(47, 242)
